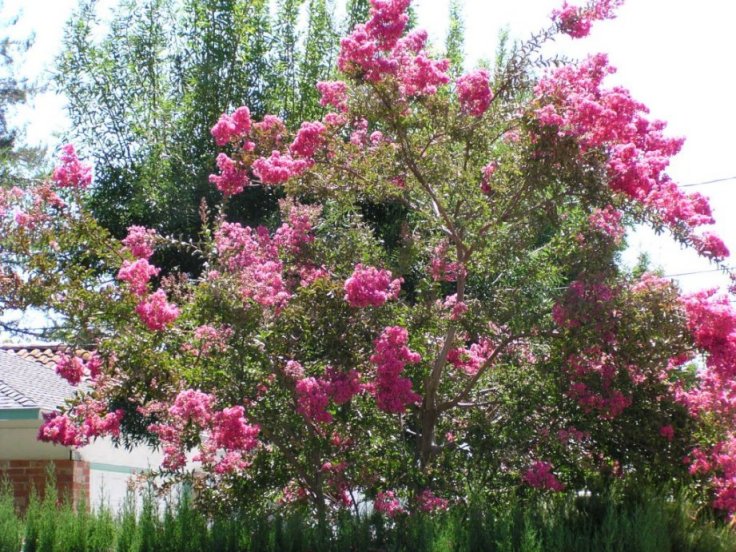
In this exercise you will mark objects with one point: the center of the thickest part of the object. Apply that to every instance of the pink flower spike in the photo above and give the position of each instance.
(71, 173)
(474, 92)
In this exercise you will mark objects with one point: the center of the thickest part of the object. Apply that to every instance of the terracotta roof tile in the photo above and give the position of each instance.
(43, 353)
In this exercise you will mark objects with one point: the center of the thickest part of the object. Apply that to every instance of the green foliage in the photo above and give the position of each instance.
(650, 520)
(19, 163)
(455, 40)
(11, 527)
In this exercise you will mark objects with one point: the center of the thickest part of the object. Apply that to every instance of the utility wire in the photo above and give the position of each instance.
(717, 180)
(695, 272)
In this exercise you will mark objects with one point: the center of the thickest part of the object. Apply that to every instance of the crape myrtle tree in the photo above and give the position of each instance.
(487, 336)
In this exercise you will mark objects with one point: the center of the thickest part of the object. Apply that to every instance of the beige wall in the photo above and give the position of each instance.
(18, 442)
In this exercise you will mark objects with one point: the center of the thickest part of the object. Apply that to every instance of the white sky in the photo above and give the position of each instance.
(674, 56)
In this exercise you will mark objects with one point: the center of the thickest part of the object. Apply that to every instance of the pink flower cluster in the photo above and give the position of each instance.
(137, 273)
(474, 92)
(393, 392)
(334, 94)
(577, 22)
(308, 140)
(719, 462)
(279, 168)
(608, 222)
(140, 241)
(313, 394)
(711, 320)
(488, 171)
(71, 173)
(209, 339)
(231, 128)
(73, 368)
(574, 103)
(232, 179)
(540, 476)
(584, 303)
(84, 422)
(387, 503)
(429, 503)
(252, 256)
(457, 308)
(342, 385)
(471, 360)
(592, 377)
(376, 50)
(225, 437)
(292, 236)
(371, 287)
(156, 312)
(312, 399)
(711, 246)
(441, 269)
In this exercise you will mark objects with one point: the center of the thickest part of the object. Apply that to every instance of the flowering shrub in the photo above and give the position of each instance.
(497, 330)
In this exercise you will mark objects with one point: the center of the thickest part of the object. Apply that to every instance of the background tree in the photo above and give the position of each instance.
(19, 163)
(144, 98)
(455, 41)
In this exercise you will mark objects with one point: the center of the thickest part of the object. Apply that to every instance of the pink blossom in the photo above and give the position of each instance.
(472, 359)
(193, 405)
(334, 94)
(137, 274)
(309, 274)
(608, 222)
(291, 237)
(312, 400)
(334, 119)
(540, 476)
(156, 312)
(428, 502)
(278, 168)
(667, 431)
(293, 370)
(308, 139)
(232, 127)
(456, 308)
(474, 92)
(231, 432)
(441, 269)
(573, 102)
(209, 339)
(71, 173)
(388, 21)
(393, 392)
(231, 180)
(253, 257)
(422, 76)
(71, 368)
(710, 245)
(488, 171)
(592, 378)
(343, 385)
(387, 503)
(140, 241)
(371, 287)
(59, 428)
(576, 22)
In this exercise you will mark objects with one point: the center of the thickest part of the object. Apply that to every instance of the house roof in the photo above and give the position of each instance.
(43, 353)
(28, 378)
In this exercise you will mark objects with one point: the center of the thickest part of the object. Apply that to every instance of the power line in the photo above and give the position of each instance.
(717, 180)
(695, 272)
